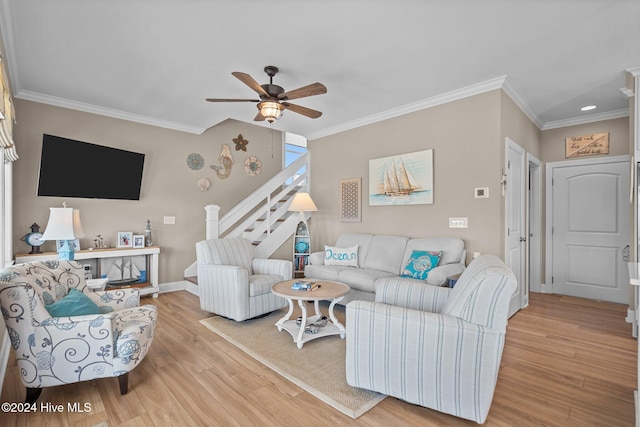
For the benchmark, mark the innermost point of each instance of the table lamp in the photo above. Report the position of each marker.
(64, 225)
(302, 203)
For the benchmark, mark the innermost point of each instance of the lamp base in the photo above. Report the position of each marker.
(66, 252)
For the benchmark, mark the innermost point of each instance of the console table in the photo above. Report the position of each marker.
(96, 259)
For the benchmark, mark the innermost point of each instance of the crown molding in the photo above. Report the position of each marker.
(616, 114)
(635, 72)
(447, 97)
(108, 112)
(519, 100)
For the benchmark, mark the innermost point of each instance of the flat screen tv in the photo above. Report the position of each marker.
(71, 168)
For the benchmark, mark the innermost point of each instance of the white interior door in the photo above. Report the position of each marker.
(515, 220)
(590, 228)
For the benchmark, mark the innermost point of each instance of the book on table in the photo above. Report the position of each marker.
(304, 285)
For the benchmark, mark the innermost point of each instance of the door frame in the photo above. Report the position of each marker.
(521, 195)
(547, 287)
(534, 225)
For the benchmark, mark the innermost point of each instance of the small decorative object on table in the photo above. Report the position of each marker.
(147, 234)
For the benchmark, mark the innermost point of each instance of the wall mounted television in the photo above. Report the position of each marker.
(70, 168)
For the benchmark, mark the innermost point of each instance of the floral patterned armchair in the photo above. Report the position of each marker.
(52, 351)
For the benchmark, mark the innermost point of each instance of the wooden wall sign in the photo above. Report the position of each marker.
(587, 145)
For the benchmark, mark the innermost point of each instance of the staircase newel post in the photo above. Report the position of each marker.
(212, 221)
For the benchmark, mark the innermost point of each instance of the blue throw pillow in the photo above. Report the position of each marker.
(420, 263)
(75, 303)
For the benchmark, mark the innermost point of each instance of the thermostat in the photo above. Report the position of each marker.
(481, 192)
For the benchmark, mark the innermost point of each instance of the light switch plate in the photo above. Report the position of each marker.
(458, 223)
(169, 219)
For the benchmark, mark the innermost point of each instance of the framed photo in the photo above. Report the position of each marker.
(125, 239)
(138, 241)
(74, 244)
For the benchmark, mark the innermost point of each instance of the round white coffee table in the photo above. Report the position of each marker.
(326, 291)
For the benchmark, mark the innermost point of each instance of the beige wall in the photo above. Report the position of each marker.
(169, 187)
(552, 142)
(465, 136)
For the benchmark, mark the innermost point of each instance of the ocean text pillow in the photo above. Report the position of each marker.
(75, 303)
(420, 263)
(341, 256)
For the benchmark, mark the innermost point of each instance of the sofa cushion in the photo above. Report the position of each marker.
(334, 255)
(451, 248)
(325, 272)
(385, 253)
(351, 239)
(420, 264)
(362, 279)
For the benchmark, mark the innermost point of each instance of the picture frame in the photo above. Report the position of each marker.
(350, 200)
(74, 244)
(138, 241)
(125, 239)
(403, 179)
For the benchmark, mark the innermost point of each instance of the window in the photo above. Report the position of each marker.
(294, 147)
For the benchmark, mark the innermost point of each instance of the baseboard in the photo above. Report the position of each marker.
(545, 289)
(5, 350)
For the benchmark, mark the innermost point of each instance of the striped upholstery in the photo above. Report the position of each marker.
(404, 345)
(233, 284)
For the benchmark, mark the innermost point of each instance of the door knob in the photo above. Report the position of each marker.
(523, 239)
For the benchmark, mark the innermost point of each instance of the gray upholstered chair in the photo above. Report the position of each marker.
(61, 349)
(233, 284)
(433, 346)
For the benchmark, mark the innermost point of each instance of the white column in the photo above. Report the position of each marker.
(212, 221)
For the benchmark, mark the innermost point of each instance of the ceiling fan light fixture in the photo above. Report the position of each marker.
(270, 110)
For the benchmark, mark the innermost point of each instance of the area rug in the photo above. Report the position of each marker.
(318, 367)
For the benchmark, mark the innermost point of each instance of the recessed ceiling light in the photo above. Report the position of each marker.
(589, 107)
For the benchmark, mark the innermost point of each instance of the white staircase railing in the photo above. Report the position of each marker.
(262, 217)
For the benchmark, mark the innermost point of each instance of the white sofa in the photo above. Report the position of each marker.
(384, 256)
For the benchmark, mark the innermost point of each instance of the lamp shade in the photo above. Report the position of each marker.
(64, 224)
(302, 202)
(270, 110)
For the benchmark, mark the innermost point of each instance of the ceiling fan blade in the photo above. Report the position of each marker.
(314, 114)
(231, 100)
(259, 117)
(309, 90)
(249, 81)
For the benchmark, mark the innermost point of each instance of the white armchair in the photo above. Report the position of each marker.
(233, 284)
(51, 351)
(433, 346)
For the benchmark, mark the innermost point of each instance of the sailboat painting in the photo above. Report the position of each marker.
(405, 179)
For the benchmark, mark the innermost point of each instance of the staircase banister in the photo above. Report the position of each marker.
(238, 211)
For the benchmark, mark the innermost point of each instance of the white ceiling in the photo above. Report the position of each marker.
(155, 61)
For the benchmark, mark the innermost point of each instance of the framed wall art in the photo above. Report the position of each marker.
(404, 179)
(351, 200)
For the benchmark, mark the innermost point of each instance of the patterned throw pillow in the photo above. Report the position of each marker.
(420, 263)
(341, 256)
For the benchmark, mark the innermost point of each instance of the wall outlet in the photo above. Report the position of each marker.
(169, 219)
(458, 223)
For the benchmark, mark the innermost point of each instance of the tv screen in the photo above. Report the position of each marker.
(71, 168)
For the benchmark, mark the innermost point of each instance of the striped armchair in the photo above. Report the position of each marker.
(235, 285)
(433, 346)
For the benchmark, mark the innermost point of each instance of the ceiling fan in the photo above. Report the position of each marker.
(273, 99)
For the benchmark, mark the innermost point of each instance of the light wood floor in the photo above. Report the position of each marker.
(567, 362)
